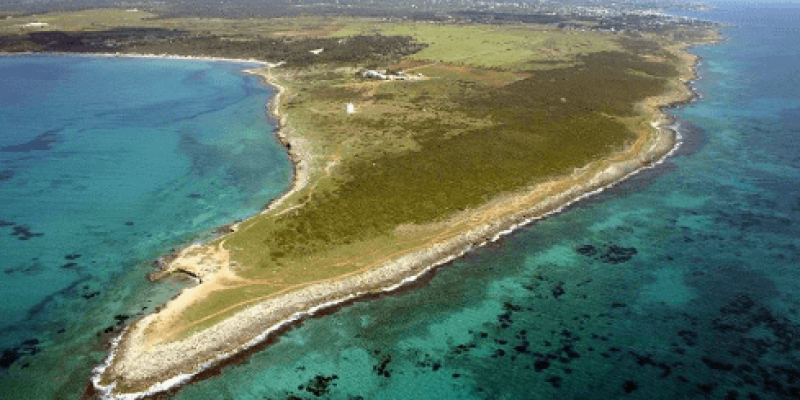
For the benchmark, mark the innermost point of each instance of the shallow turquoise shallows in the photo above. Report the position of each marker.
(106, 164)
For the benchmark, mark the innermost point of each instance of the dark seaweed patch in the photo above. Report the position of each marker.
(6, 174)
(586, 250)
(555, 381)
(706, 388)
(382, 369)
(689, 337)
(732, 395)
(614, 254)
(31, 269)
(541, 365)
(43, 141)
(558, 290)
(9, 357)
(718, 365)
(319, 385)
(23, 232)
(12, 355)
(90, 295)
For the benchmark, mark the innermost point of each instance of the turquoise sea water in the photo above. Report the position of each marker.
(681, 283)
(106, 164)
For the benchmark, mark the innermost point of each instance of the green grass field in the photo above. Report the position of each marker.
(509, 47)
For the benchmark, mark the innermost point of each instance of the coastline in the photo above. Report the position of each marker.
(394, 275)
(144, 56)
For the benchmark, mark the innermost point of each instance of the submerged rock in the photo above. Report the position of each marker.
(23, 232)
(12, 355)
(614, 254)
(320, 384)
(43, 141)
(9, 357)
(382, 368)
(89, 296)
(558, 290)
(586, 250)
(6, 174)
(629, 386)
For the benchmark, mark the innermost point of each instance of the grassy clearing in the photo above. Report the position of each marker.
(518, 47)
(486, 77)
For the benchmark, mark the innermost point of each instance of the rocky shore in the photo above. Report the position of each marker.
(137, 367)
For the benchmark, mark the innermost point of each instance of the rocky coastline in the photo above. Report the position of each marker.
(135, 370)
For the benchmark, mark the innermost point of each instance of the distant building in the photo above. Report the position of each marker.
(389, 75)
(374, 75)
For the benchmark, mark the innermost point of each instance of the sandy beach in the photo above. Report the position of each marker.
(137, 366)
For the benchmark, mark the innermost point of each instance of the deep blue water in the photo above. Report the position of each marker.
(106, 164)
(680, 283)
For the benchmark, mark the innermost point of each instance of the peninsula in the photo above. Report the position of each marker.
(412, 141)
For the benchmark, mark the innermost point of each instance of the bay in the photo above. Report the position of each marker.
(107, 164)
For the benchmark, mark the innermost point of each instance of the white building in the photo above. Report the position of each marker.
(374, 75)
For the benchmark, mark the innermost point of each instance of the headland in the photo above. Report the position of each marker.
(527, 121)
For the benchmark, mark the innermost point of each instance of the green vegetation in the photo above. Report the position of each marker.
(499, 110)
(422, 151)
(517, 47)
(105, 19)
(503, 140)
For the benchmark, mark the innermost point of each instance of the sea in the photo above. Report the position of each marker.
(680, 282)
(107, 164)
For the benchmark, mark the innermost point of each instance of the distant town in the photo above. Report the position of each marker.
(603, 15)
